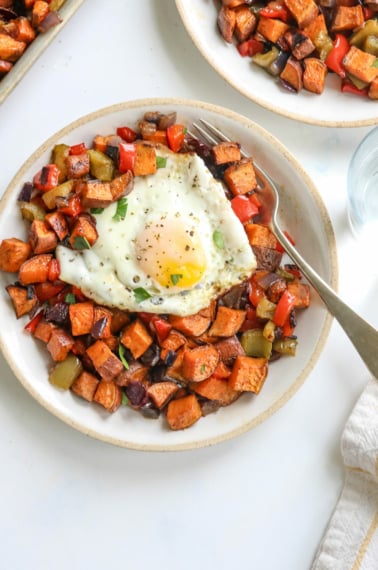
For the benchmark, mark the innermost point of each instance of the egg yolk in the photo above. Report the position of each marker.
(171, 253)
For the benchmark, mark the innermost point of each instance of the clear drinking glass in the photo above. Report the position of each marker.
(363, 187)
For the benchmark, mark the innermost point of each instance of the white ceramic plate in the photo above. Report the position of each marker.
(332, 108)
(22, 66)
(304, 215)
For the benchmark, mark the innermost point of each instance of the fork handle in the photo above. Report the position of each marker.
(363, 335)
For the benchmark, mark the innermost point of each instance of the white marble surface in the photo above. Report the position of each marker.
(260, 501)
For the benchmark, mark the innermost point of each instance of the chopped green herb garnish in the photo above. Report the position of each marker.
(203, 368)
(141, 294)
(175, 278)
(81, 242)
(97, 210)
(375, 63)
(121, 210)
(218, 239)
(70, 298)
(125, 400)
(121, 352)
(161, 162)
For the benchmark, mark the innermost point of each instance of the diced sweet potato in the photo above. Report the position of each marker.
(13, 253)
(43, 331)
(226, 21)
(39, 12)
(229, 349)
(248, 374)
(5, 67)
(35, 269)
(161, 392)
(292, 74)
(193, 325)
(136, 372)
(122, 185)
(241, 177)
(10, 49)
(316, 29)
(83, 228)
(200, 362)
(222, 371)
(96, 194)
(59, 344)
(347, 18)
(183, 412)
(361, 64)
(304, 11)
(25, 31)
(245, 23)
(215, 389)
(271, 28)
(58, 223)
(78, 165)
(23, 299)
(373, 89)
(145, 160)
(107, 364)
(172, 342)
(81, 317)
(108, 395)
(41, 237)
(314, 75)
(227, 322)
(136, 338)
(119, 320)
(226, 152)
(261, 236)
(301, 292)
(175, 370)
(85, 386)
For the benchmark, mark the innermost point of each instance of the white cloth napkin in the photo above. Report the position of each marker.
(351, 539)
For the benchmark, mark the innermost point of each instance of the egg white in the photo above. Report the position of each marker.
(182, 195)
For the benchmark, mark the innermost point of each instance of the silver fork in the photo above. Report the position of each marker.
(363, 335)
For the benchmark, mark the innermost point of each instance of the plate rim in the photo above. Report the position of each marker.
(323, 333)
(266, 105)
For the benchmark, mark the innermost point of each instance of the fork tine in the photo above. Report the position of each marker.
(205, 134)
(213, 135)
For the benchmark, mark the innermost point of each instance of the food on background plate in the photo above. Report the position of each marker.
(301, 41)
(149, 273)
(20, 23)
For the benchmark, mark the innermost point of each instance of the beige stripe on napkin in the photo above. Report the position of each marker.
(351, 539)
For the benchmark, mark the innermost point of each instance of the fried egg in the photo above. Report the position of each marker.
(178, 246)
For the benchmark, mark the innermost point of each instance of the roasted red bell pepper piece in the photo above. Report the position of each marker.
(283, 309)
(368, 13)
(47, 178)
(287, 329)
(334, 59)
(32, 325)
(256, 293)
(73, 208)
(175, 136)
(243, 208)
(77, 149)
(127, 156)
(161, 328)
(291, 240)
(250, 47)
(54, 270)
(127, 134)
(48, 290)
(278, 12)
(348, 87)
(251, 320)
